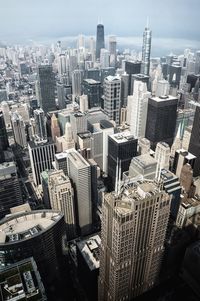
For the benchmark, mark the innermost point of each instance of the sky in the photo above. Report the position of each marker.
(22, 20)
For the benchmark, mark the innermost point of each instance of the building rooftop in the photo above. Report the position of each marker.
(190, 202)
(84, 135)
(90, 249)
(144, 160)
(21, 281)
(111, 78)
(92, 81)
(122, 137)
(77, 159)
(25, 225)
(164, 98)
(61, 156)
(7, 168)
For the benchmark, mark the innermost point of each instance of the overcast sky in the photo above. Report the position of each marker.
(32, 19)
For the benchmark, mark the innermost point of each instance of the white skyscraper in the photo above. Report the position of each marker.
(137, 109)
(112, 96)
(77, 77)
(134, 225)
(61, 196)
(104, 58)
(83, 103)
(18, 126)
(79, 171)
(162, 88)
(162, 156)
(63, 66)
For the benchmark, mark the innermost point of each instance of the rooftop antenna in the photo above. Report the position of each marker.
(147, 22)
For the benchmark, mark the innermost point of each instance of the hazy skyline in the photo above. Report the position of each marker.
(28, 19)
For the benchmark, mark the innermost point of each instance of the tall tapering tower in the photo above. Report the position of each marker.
(146, 50)
(99, 40)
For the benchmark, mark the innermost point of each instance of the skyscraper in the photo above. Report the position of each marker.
(61, 196)
(146, 50)
(112, 95)
(10, 193)
(55, 129)
(112, 50)
(122, 147)
(92, 89)
(99, 40)
(104, 58)
(40, 125)
(45, 88)
(161, 119)
(18, 126)
(133, 231)
(194, 146)
(79, 172)
(162, 156)
(77, 78)
(41, 157)
(3, 137)
(137, 109)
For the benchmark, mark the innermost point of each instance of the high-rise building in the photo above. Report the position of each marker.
(78, 124)
(132, 67)
(162, 88)
(134, 225)
(161, 120)
(40, 125)
(3, 137)
(99, 40)
(61, 93)
(146, 50)
(92, 89)
(61, 196)
(194, 146)
(122, 147)
(41, 157)
(112, 49)
(104, 58)
(79, 172)
(77, 78)
(10, 193)
(143, 165)
(61, 162)
(137, 109)
(197, 62)
(62, 65)
(124, 89)
(112, 95)
(182, 157)
(19, 131)
(83, 103)
(55, 129)
(45, 88)
(162, 156)
(38, 234)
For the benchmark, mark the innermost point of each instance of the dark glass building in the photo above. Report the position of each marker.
(99, 40)
(45, 88)
(10, 193)
(174, 75)
(132, 67)
(3, 137)
(194, 146)
(161, 120)
(38, 234)
(92, 89)
(122, 147)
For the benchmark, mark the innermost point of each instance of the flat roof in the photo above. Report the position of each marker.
(122, 137)
(144, 160)
(25, 225)
(164, 98)
(90, 248)
(77, 159)
(91, 81)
